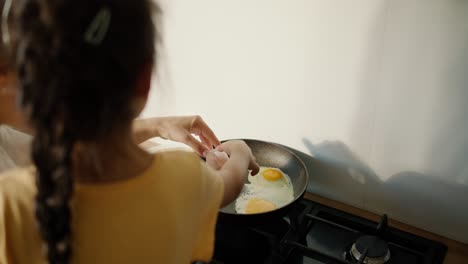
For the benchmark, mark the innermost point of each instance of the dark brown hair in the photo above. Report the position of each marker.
(75, 89)
(4, 58)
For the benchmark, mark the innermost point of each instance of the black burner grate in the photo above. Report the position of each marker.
(314, 234)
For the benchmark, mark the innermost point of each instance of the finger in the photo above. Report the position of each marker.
(202, 129)
(254, 166)
(210, 136)
(220, 148)
(206, 142)
(195, 144)
(224, 148)
(221, 157)
(212, 161)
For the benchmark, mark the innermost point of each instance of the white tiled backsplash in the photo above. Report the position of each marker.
(375, 89)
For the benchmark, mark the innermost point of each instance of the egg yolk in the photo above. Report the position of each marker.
(256, 205)
(272, 174)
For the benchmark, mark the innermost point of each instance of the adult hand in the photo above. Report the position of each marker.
(177, 128)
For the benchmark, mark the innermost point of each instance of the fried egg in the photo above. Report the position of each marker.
(268, 190)
(270, 177)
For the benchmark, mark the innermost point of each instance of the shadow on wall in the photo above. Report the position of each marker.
(448, 152)
(417, 199)
(412, 105)
(411, 117)
(337, 173)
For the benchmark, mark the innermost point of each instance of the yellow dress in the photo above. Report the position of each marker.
(165, 215)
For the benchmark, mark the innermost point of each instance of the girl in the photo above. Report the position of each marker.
(14, 143)
(84, 72)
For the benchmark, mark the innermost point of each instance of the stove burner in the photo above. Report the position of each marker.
(315, 233)
(375, 250)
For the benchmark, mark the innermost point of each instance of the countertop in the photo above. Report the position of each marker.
(457, 252)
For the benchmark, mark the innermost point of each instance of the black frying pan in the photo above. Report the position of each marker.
(271, 155)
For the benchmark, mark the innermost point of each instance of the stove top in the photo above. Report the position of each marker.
(312, 233)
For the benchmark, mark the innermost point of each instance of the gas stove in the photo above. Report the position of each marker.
(313, 233)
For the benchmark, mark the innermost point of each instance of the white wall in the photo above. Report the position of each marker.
(375, 89)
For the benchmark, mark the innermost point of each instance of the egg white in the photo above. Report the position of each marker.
(278, 192)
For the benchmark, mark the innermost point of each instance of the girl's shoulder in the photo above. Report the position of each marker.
(18, 180)
(179, 164)
(187, 167)
(17, 186)
(17, 221)
(170, 156)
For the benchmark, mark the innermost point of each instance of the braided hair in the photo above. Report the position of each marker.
(75, 90)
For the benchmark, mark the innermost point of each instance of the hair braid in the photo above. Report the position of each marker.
(75, 92)
(51, 154)
(52, 144)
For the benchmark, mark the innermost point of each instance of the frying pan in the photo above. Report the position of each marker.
(269, 154)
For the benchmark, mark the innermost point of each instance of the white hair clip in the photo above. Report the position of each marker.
(98, 28)
(5, 30)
